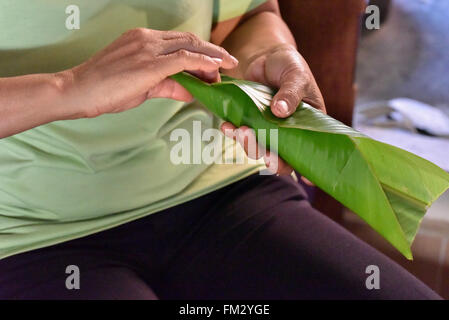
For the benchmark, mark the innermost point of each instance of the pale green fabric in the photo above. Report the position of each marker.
(68, 179)
(228, 9)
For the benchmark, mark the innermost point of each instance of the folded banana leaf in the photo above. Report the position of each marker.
(391, 189)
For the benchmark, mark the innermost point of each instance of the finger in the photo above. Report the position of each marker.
(183, 60)
(284, 168)
(276, 165)
(170, 89)
(246, 137)
(211, 77)
(315, 98)
(190, 42)
(292, 90)
(228, 129)
(307, 182)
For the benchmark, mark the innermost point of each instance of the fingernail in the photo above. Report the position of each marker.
(282, 107)
(267, 163)
(217, 60)
(234, 59)
(228, 132)
(267, 159)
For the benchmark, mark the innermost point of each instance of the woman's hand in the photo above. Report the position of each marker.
(132, 69)
(284, 68)
(136, 67)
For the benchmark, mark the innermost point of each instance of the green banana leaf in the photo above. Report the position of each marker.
(389, 188)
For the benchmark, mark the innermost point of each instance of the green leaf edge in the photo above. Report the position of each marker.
(187, 80)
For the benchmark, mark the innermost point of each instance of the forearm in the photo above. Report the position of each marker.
(254, 36)
(31, 100)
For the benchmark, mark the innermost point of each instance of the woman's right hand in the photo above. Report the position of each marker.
(136, 67)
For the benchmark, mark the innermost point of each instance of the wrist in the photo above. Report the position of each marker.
(65, 107)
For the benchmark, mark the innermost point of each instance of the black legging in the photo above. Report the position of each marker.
(256, 239)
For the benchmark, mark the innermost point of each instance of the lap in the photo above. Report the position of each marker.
(263, 240)
(256, 239)
(66, 273)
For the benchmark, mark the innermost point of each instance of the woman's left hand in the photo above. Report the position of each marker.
(284, 68)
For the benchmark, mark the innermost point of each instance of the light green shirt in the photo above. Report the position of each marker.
(68, 179)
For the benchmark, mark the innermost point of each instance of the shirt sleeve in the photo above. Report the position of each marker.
(228, 9)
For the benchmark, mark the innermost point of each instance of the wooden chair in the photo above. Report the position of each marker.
(327, 34)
